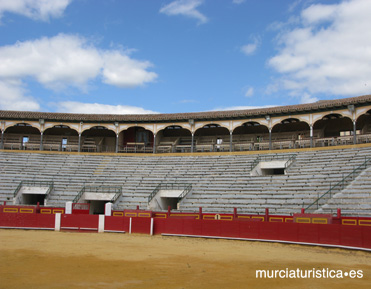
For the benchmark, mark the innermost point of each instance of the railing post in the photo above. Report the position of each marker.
(2, 140)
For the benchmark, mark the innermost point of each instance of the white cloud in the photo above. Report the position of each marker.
(249, 92)
(241, 107)
(250, 48)
(329, 53)
(97, 108)
(12, 97)
(186, 8)
(122, 71)
(69, 61)
(34, 9)
(306, 98)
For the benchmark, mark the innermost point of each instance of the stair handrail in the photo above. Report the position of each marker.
(35, 183)
(361, 167)
(162, 186)
(260, 158)
(104, 189)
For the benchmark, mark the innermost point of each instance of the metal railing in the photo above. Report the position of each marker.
(171, 186)
(339, 185)
(99, 189)
(34, 183)
(265, 158)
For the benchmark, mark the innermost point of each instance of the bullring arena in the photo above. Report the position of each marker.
(195, 200)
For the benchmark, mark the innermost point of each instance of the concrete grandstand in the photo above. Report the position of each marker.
(313, 156)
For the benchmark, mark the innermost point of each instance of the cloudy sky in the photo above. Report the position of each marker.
(166, 56)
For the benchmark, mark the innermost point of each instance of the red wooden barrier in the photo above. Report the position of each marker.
(79, 222)
(20, 220)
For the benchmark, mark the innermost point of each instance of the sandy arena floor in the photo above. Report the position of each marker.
(41, 259)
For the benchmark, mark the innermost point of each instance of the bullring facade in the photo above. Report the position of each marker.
(324, 123)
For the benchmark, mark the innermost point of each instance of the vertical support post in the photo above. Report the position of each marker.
(154, 143)
(168, 211)
(234, 213)
(354, 132)
(41, 141)
(151, 230)
(302, 211)
(117, 143)
(57, 223)
(108, 209)
(270, 139)
(101, 223)
(200, 213)
(79, 145)
(231, 141)
(266, 214)
(68, 208)
(2, 140)
(130, 223)
(311, 135)
(339, 213)
(192, 146)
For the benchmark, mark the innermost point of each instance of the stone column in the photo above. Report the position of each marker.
(192, 146)
(41, 141)
(79, 145)
(354, 132)
(154, 143)
(270, 139)
(311, 135)
(117, 143)
(2, 140)
(231, 141)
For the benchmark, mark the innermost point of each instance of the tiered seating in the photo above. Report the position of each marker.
(220, 182)
(354, 200)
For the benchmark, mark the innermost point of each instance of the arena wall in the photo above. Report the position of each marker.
(352, 233)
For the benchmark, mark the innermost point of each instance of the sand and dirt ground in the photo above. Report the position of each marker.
(44, 259)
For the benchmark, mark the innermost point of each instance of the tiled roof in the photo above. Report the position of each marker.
(208, 115)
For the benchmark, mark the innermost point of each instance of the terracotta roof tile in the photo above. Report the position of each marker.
(208, 115)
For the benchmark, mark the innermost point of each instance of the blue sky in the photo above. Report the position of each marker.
(164, 56)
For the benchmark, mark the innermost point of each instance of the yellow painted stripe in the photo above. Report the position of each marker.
(55, 211)
(45, 211)
(364, 222)
(260, 218)
(10, 210)
(275, 219)
(24, 210)
(351, 222)
(303, 220)
(319, 221)
(118, 214)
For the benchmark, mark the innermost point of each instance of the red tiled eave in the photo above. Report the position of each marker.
(208, 115)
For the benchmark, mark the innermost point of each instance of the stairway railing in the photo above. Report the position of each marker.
(339, 185)
(171, 186)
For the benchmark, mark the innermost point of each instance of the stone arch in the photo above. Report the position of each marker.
(292, 125)
(332, 125)
(22, 136)
(98, 139)
(136, 139)
(290, 133)
(60, 138)
(248, 134)
(169, 137)
(212, 137)
(363, 123)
